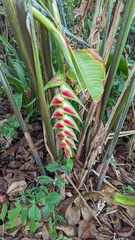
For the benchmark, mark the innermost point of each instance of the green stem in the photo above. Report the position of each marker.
(125, 26)
(42, 101)
(20, 119)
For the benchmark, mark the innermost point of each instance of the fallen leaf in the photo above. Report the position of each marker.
(45, 232)
(73, 213)
(3, 185)
(17, 187)
(125, 232)
(2, 198)
(105, 221)
(85, 213)
(25, 238)
(70, 231)
(85, 231)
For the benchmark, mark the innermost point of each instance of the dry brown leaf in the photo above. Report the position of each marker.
(2, 198)
(86, 214)
(3, 185)
(45, 232)
(73, 213)
(125, 232)
(25, 238)
(107, 188)
(85, 231)
(105, 221)
(80, 11)
(17, 187)
(69, 231)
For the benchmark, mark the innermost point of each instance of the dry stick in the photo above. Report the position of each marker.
(105, 181)
(126, 219)
(113, 29)
(86, 204)
(94, 27)
(89, 120)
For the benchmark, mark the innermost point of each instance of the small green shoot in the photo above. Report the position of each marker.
(36, 202)
(127, 189)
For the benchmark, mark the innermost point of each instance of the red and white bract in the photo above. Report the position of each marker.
(58, 113)
(63, 143)
(66, 92)
(70, 133)
(70, 142)
(61, 134)
(69, 121)
(59, 124)
(57, 100)
(69, 109)
(68, 151)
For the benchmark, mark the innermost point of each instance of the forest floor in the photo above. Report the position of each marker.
(18, 171)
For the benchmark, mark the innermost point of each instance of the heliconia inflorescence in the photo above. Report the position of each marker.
(64, 114)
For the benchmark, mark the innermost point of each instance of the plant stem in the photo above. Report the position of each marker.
(42, 101)
(125, 26)
(20, 119)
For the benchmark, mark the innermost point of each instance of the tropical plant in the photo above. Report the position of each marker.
(70, 85)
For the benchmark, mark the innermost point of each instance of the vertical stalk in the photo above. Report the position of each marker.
(125, 26)
(42, 101)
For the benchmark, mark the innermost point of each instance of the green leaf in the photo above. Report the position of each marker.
(123, 66)
(90, 70)
(34, 213)
(10, 224)
(49, 208)
(18, 100)
(40, 196)
(33, 225)
(65, 168)
(69, 163)
(52, 167)
(53, 197)
(124, 198)
(56, 81)
(24, 213)
(11, 132)
(60, 182)
(14, 213)
(4, 211)
(44, 179)
(60, 218)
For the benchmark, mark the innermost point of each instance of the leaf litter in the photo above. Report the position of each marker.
(19, 170)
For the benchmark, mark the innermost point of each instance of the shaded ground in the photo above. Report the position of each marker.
(18, 172)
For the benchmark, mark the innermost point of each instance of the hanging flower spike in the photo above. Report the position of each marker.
(70, 133)
(68, 108)
(57, 100)
(69, 121)
(67, 92)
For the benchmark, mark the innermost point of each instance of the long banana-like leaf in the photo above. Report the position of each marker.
(90, 69)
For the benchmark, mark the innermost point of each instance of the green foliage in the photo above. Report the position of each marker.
(127, 189)
(36, 202)
(9, 126)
